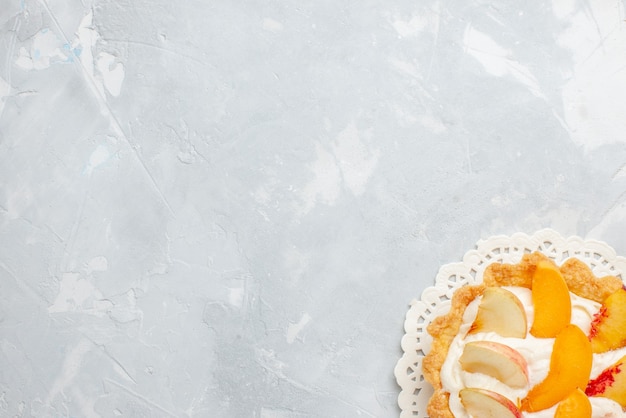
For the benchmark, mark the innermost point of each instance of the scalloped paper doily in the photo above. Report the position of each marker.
(435, 300)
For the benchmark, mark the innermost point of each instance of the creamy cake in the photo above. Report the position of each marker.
(532, 340)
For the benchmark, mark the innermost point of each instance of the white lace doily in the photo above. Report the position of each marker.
(435, 300)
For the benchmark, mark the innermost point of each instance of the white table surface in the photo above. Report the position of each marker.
(223, 208)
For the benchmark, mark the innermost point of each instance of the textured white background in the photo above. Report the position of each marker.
(223, 208)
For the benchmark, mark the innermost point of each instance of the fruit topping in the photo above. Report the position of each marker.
(551, 300)
(486, 403)
(611, 383)
(570, 367)
(576, 405)
(502, 312)
(608, 328)
(496, 360)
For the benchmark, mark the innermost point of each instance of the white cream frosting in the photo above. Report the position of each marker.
(537, 352)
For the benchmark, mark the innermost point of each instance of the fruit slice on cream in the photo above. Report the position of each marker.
(608, 328)
(485, 403)
(611, 383)
(570, 367)
(500, 311)
(576, 405)
(551, 301)
(496, 360)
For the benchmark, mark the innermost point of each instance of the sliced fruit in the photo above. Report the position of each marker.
(496, 360)
(570, 367)
(608, 328)
(502, 312)
(551, 301)
(486, 403)
(576, 405)
(611, 383)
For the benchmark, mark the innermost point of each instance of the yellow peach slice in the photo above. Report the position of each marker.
(551, 301)
(611, 383)
(608, 328)
(576, 405)
(570, 366)
(502, 312)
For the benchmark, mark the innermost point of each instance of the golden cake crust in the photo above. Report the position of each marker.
(579, 278)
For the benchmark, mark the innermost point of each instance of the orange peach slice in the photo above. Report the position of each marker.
(496, 360)
(551, 301)
(576, 405)
(608, 328)
(611, 383)
(570, 367)
(502, 312)
(486, 403)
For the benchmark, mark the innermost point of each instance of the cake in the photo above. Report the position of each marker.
(533, 339)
